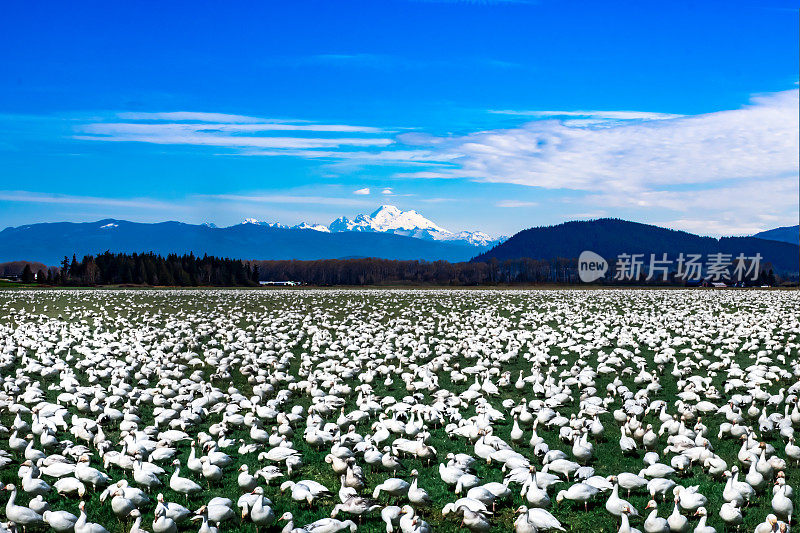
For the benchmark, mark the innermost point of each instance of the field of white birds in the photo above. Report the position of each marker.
(398, 410)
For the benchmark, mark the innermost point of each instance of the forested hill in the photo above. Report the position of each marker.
(611, 237)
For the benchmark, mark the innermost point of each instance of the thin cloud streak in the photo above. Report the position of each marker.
(285, 199)
(607, 115)
(46, 198)
(515, 203)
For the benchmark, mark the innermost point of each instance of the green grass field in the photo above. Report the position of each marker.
(422, 327)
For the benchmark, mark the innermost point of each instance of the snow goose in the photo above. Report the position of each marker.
(689, 498)
(579, 492)
(39, 505)
(324, 525)
(60, 521)
(34, 485)
(541, 519)
(731, 514)
(355, 505)
(630, 482)
(781, 504)
(19, 514)
(178, 513)
(137, 522)
(393, 486)
(654, 523)
(417, 494)
(246, 481)
(702, 527)
(211, 472)
(615, 504)
(391, 517)
(90, 475)
(625, 525)
(202, 516)
(83, 526)
(474, 521)
(163, 523)
(70, 485)
(182, 485)
(146, 478)
(534, 495)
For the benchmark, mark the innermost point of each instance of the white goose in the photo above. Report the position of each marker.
(18, 514)
(82, 526)
(182, 485)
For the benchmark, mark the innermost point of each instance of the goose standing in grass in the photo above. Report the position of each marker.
(90, 475)
(182, 485)
(201, 515)
(393, 486)
(416, 494)
(654, 523)
(246, 481)
(615, 504)
(18, 514)
(731, 514)
(60, 521)
(83, 526)
(540, 519)
(781, 504)
(324, 525)
(163, 523)
(702, 527)
(625, 525)
(579, 492)
(136, 527)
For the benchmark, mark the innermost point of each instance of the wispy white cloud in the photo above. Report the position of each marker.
(605, 115)
(515, 203)
(726, 171)
(185, 202)
(387, 191)
(284, 199)
(47, 198)
(236, 132)
(192, 116)
(758, 140)
(365, 191)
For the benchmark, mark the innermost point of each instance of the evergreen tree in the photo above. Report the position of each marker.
(27, 274)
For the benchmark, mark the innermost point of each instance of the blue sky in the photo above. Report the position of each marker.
(481, 115)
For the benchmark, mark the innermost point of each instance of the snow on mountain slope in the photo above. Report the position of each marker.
(315, 227)
(302, 225)
(390, 219)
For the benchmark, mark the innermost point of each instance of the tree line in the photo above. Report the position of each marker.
(148, 269)
(372, 271)
(190, 270)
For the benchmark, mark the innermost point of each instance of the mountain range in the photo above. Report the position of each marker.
(387, 233)
(610, 237)
(50, 242)
(390, 219)
(784, 234)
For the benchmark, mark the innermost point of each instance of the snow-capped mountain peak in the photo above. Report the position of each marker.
(391, 219)
(262, 223)
(315, 227)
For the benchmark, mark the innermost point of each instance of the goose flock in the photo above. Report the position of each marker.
(319, 411)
